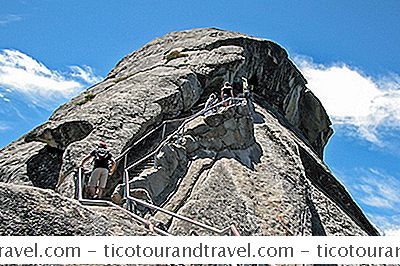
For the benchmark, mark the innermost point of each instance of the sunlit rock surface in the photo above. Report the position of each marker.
(261, 170)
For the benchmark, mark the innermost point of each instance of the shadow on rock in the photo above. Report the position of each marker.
(44, 168)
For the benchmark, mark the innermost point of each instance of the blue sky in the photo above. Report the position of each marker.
(349, 51)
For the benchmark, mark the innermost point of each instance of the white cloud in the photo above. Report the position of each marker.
(376, 202)
(6, 19)
(392, 232)
(86, 74)
(20, 72)
(378, 189)
(354, 100)
(378, 193)
(4, 127)
(388, 225)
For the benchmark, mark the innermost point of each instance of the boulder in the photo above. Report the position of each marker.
(28, 211)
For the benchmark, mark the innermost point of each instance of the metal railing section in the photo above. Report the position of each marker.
(107, 203)
(180, 128)
(162, 126)
(232, 228)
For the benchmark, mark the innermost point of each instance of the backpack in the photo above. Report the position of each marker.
(101, 154)
(101, 158)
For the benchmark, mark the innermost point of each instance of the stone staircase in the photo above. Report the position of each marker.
(145, 165)
(148, 162)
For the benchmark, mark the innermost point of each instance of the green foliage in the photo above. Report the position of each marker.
(88, 97)
(174, 55)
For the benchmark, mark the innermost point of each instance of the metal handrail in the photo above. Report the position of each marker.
(163, 124)
(80, 185)
(231, 228)
(142, 220)
(189, 119)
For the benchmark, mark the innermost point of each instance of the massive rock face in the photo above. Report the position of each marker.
(263, 171)
(227, 132)
(33, 211)
(286, 190)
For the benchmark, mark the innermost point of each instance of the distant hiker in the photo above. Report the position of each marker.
(212, 100)
(246, 89)
(101, 170)
(247, 94)
(226, 92)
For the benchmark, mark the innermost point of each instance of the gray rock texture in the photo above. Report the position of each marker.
(263, 171)
(33, 211)
(287, 190)
(231, 132)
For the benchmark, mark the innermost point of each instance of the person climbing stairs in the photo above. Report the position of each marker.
(138, 201)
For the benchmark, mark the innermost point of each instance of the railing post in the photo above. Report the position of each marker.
(126, 191)
(80, 183)
(125, 160)
(163, 131)
(124, 173)
(234, 230)
(155, 160)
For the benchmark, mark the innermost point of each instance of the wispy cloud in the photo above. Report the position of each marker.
(388, 225)
(392, 232)
(376, 202)
(366, 106)
(4, 127)
(377, 189)
(9, 18)
(4, 98)
(85, 73)
(22, 73)
(378, 193)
